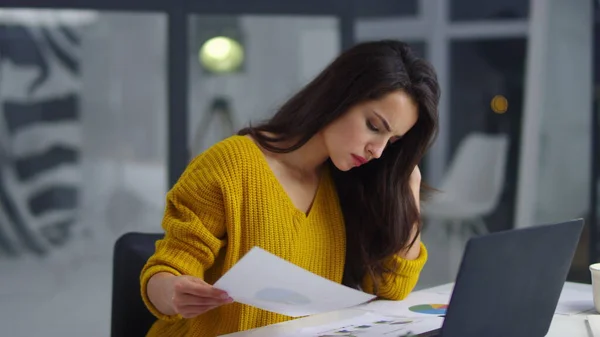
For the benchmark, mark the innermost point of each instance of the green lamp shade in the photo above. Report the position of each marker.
(221, 55)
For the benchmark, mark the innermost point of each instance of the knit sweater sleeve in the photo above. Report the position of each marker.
(402, 279)
(194, 228)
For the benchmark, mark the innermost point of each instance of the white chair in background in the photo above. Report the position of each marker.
(473, 184)
(470, 190)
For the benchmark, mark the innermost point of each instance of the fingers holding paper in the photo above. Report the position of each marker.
(192, 296)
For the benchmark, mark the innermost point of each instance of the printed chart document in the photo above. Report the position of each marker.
(268, 282)
(420, 304)
(575, 299)
(372, 324)
(366, 324)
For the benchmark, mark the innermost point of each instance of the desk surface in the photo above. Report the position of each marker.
(562, 325)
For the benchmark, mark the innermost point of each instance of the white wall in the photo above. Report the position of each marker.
(124, 120)
(555, 158)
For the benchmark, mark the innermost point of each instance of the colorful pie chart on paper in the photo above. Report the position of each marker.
(429, 309)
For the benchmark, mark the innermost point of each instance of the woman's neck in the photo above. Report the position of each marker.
(307, 160)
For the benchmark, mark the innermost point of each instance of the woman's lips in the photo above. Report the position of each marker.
(358, 160)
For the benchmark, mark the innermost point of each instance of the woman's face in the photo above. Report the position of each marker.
(366, 129)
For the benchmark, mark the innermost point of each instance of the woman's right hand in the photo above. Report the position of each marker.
(191, 296)
(185, 295)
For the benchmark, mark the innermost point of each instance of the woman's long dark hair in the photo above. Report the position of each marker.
(376, 199)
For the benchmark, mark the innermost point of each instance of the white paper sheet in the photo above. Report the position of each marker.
(594, 324)
(416, 305)
(371, 325)
(268, 282)
(574, 301)
(361, 323)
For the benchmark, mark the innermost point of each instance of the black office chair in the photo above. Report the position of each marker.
(130, 317)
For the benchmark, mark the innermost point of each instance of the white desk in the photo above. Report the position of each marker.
(561, 326)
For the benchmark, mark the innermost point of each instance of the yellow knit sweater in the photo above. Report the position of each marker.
(226, 202)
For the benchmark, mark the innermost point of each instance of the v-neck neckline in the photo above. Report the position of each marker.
(273, 178)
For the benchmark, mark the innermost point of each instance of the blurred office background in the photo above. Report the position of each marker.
(101, 107)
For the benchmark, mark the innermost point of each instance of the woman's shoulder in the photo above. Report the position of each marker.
(227, 157)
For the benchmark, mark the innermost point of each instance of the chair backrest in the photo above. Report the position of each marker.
(477, 170)
(129, 316)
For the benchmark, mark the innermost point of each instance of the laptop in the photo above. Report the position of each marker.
(509, 282)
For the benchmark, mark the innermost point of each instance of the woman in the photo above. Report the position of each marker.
(330, 183)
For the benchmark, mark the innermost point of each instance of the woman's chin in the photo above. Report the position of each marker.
(344, 167)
